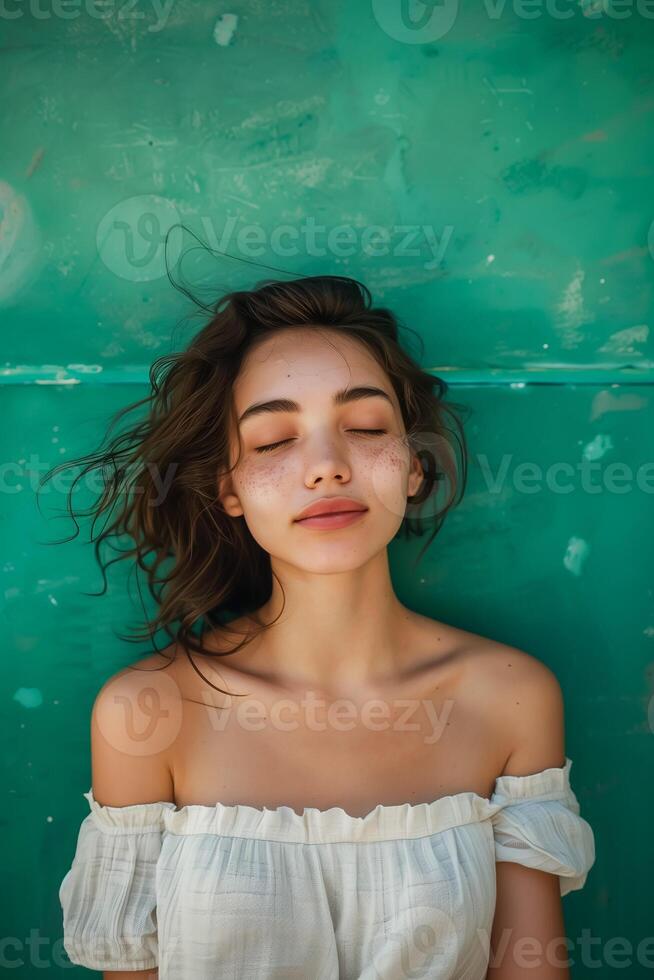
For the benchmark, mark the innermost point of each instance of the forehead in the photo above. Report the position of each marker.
(303, 362)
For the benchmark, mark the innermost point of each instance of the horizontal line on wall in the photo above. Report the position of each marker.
(541, 374)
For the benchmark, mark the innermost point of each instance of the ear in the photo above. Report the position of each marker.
(227, 496)
(416, 475)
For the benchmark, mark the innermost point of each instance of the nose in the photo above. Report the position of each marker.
(328, 462)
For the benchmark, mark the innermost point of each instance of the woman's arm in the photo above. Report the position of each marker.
(126, 768)
(528, 936)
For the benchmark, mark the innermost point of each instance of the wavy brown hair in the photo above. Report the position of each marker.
(200, 564)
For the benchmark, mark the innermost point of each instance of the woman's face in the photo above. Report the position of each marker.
(327, 447)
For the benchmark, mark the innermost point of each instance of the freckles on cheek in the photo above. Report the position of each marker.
(388, 472)
(391, 459)
(262, 480)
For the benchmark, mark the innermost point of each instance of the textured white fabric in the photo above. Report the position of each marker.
(241, 893)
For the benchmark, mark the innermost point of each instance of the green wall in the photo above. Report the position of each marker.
(506, 149)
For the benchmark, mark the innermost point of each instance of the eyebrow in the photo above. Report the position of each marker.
(342, 397)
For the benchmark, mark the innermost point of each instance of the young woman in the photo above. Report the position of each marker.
(325, 785)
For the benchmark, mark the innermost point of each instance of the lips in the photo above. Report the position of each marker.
(331, 505)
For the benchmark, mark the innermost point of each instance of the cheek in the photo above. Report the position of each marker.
(389, 469)
(390, 457)
(261, 481)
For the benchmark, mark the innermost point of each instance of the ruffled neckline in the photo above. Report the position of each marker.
(334, 824)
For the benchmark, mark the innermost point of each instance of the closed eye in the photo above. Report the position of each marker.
(274, 445)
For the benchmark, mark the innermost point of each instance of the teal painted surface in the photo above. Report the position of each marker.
(513, 156)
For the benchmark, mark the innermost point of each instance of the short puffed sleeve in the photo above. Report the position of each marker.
(108, 896)
(538, 824)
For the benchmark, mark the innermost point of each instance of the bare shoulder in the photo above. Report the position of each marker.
(138, 676)
(517, 696)
(509, 671)
(135, 720)
(492, 661)
(523, 698)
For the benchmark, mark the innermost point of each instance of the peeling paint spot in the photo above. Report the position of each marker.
(85, 368)
(310, 173)
(576, 555)
(283, 109)
(224, 30)
(35, 162)
(622, 342)
(29, 697)
(637, 252)
(47, 583)
(571, 313)
(20, 242)
(63, 381)
(58, 374)
(604, 402)
(394, 172)
(597, 447)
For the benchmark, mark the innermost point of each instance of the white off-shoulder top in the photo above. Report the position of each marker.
(243, 893)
